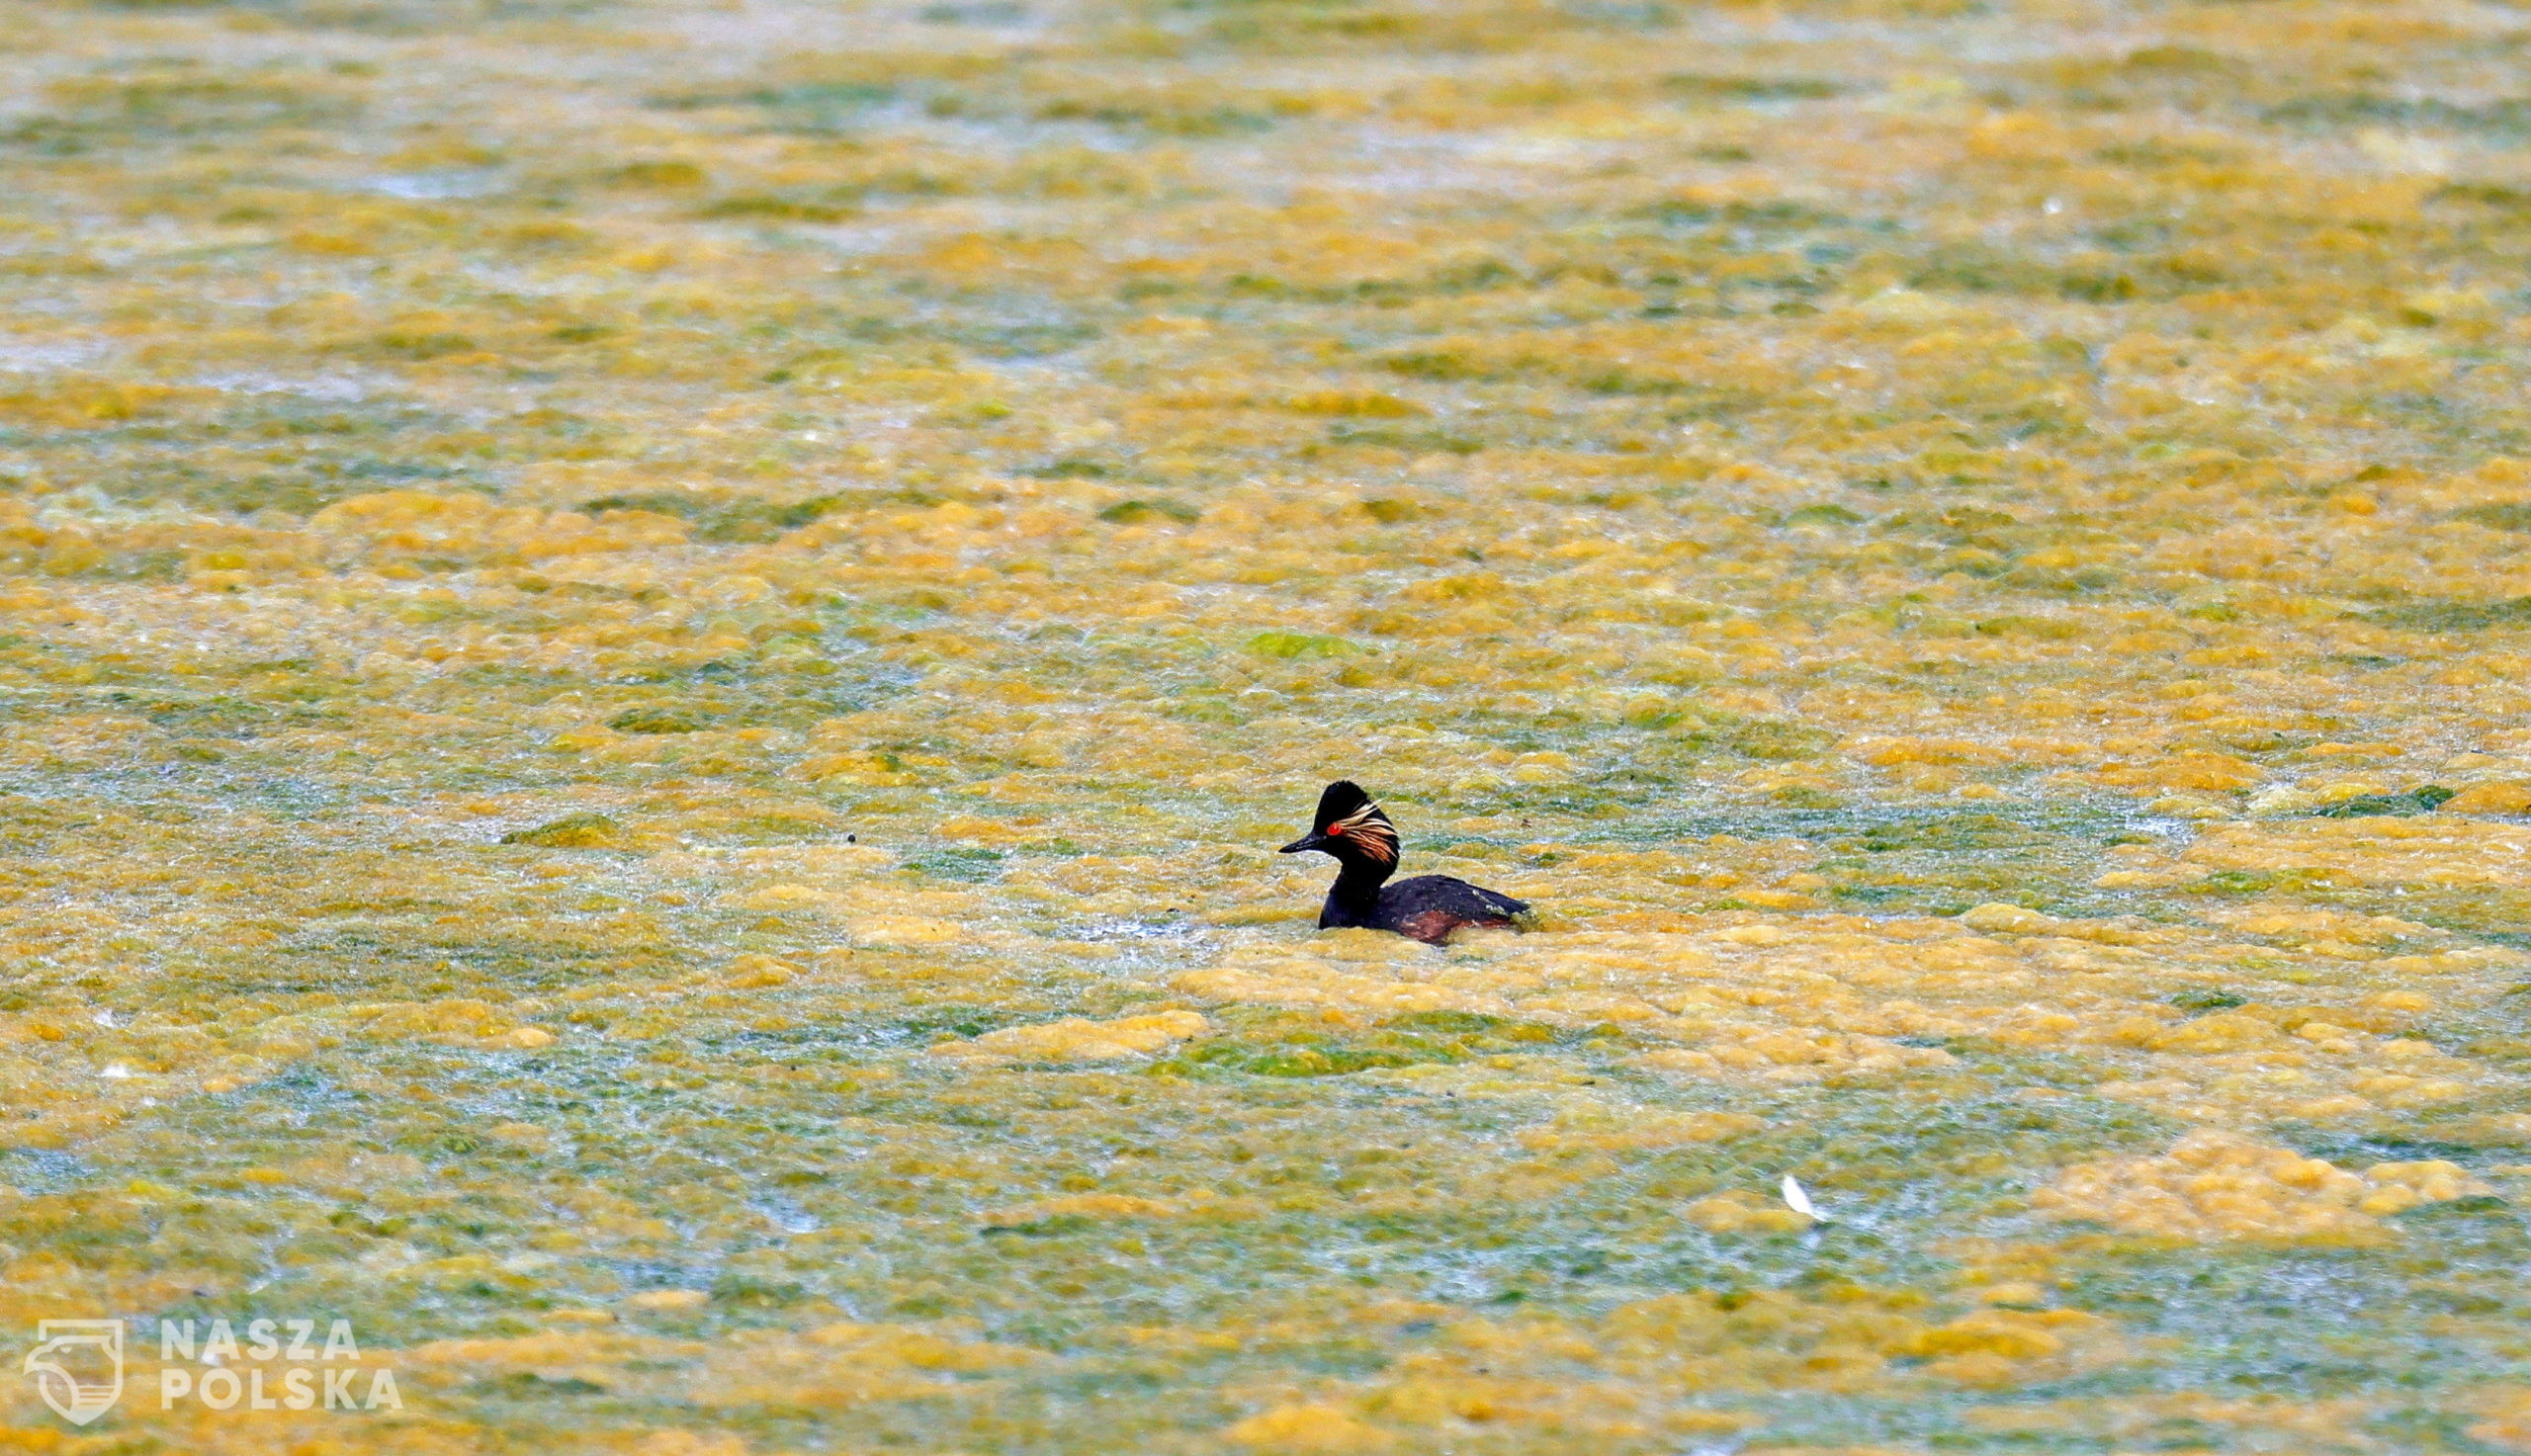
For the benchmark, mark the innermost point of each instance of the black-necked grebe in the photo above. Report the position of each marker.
(1428, 907)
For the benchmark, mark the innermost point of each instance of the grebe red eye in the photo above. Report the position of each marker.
(1335, 830)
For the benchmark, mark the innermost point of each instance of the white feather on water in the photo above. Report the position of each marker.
(1799, 1201)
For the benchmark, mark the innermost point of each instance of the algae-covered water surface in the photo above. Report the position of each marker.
(653, 652)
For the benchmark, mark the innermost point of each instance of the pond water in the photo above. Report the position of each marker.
(654, 653)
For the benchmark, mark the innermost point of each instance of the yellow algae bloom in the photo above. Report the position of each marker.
(1740, 1212)
(1313, 1429)
(2213, 1185)
(1075, 1039)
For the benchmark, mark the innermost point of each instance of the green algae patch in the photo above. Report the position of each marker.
(571, 832)
(1288, 646)
(1287, 1046)
(657, 721)
(1136, 512)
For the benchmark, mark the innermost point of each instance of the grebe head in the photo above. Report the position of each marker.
(1349, 826)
